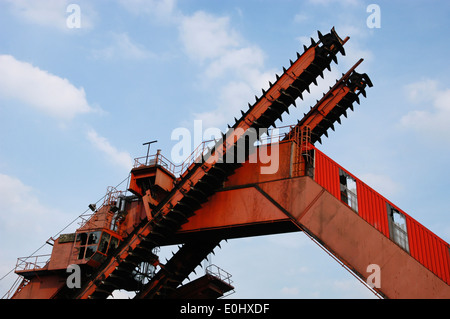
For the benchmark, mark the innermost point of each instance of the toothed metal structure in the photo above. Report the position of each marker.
(213, 196)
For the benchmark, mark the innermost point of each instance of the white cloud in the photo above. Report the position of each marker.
(383, 184)
(433, 116)
(301, 17)
(206, 36)
(162, 10)
(232, 98)
(422, 91)
(239, 66)
(122, 47)
(21, 208)
(43, 12)
(24, 219)
(120, 158)
(25, 224)
(239, 60)
(50, 13)
(40, 89)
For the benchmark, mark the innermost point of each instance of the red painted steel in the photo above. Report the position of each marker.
(424, 246)
(254, 200)
(168, 202)
(326, 173)
(372, 208)
(428, 249)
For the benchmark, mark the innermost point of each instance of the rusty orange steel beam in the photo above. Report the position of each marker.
(349, 236)
(190, 189)
(277, 99)
(328, 101)
(333, 104)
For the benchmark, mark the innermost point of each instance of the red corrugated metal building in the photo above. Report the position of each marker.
(422, 244)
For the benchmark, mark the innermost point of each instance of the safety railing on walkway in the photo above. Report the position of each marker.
(35, 261)
(221, 274)
(273, 135)
(218, 272)
(32, 262)
(156, 159)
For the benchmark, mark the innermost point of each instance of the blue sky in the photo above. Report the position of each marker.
(76, 104)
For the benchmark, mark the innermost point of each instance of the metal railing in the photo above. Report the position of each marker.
(99, 217)
(39, 261)
(112, 195)
(176, 170)
(222, 275)
(219, 273)
(156, 159)
(198, 155)
(32, 262)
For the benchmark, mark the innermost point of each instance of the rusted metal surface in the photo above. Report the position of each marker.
(424, 246)
(207, 199)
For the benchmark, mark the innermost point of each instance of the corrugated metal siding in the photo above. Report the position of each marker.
(427, 248)
(372, 207)
(326, 173)
(424, 246)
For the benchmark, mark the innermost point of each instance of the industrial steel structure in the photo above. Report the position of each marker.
(227, 189)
